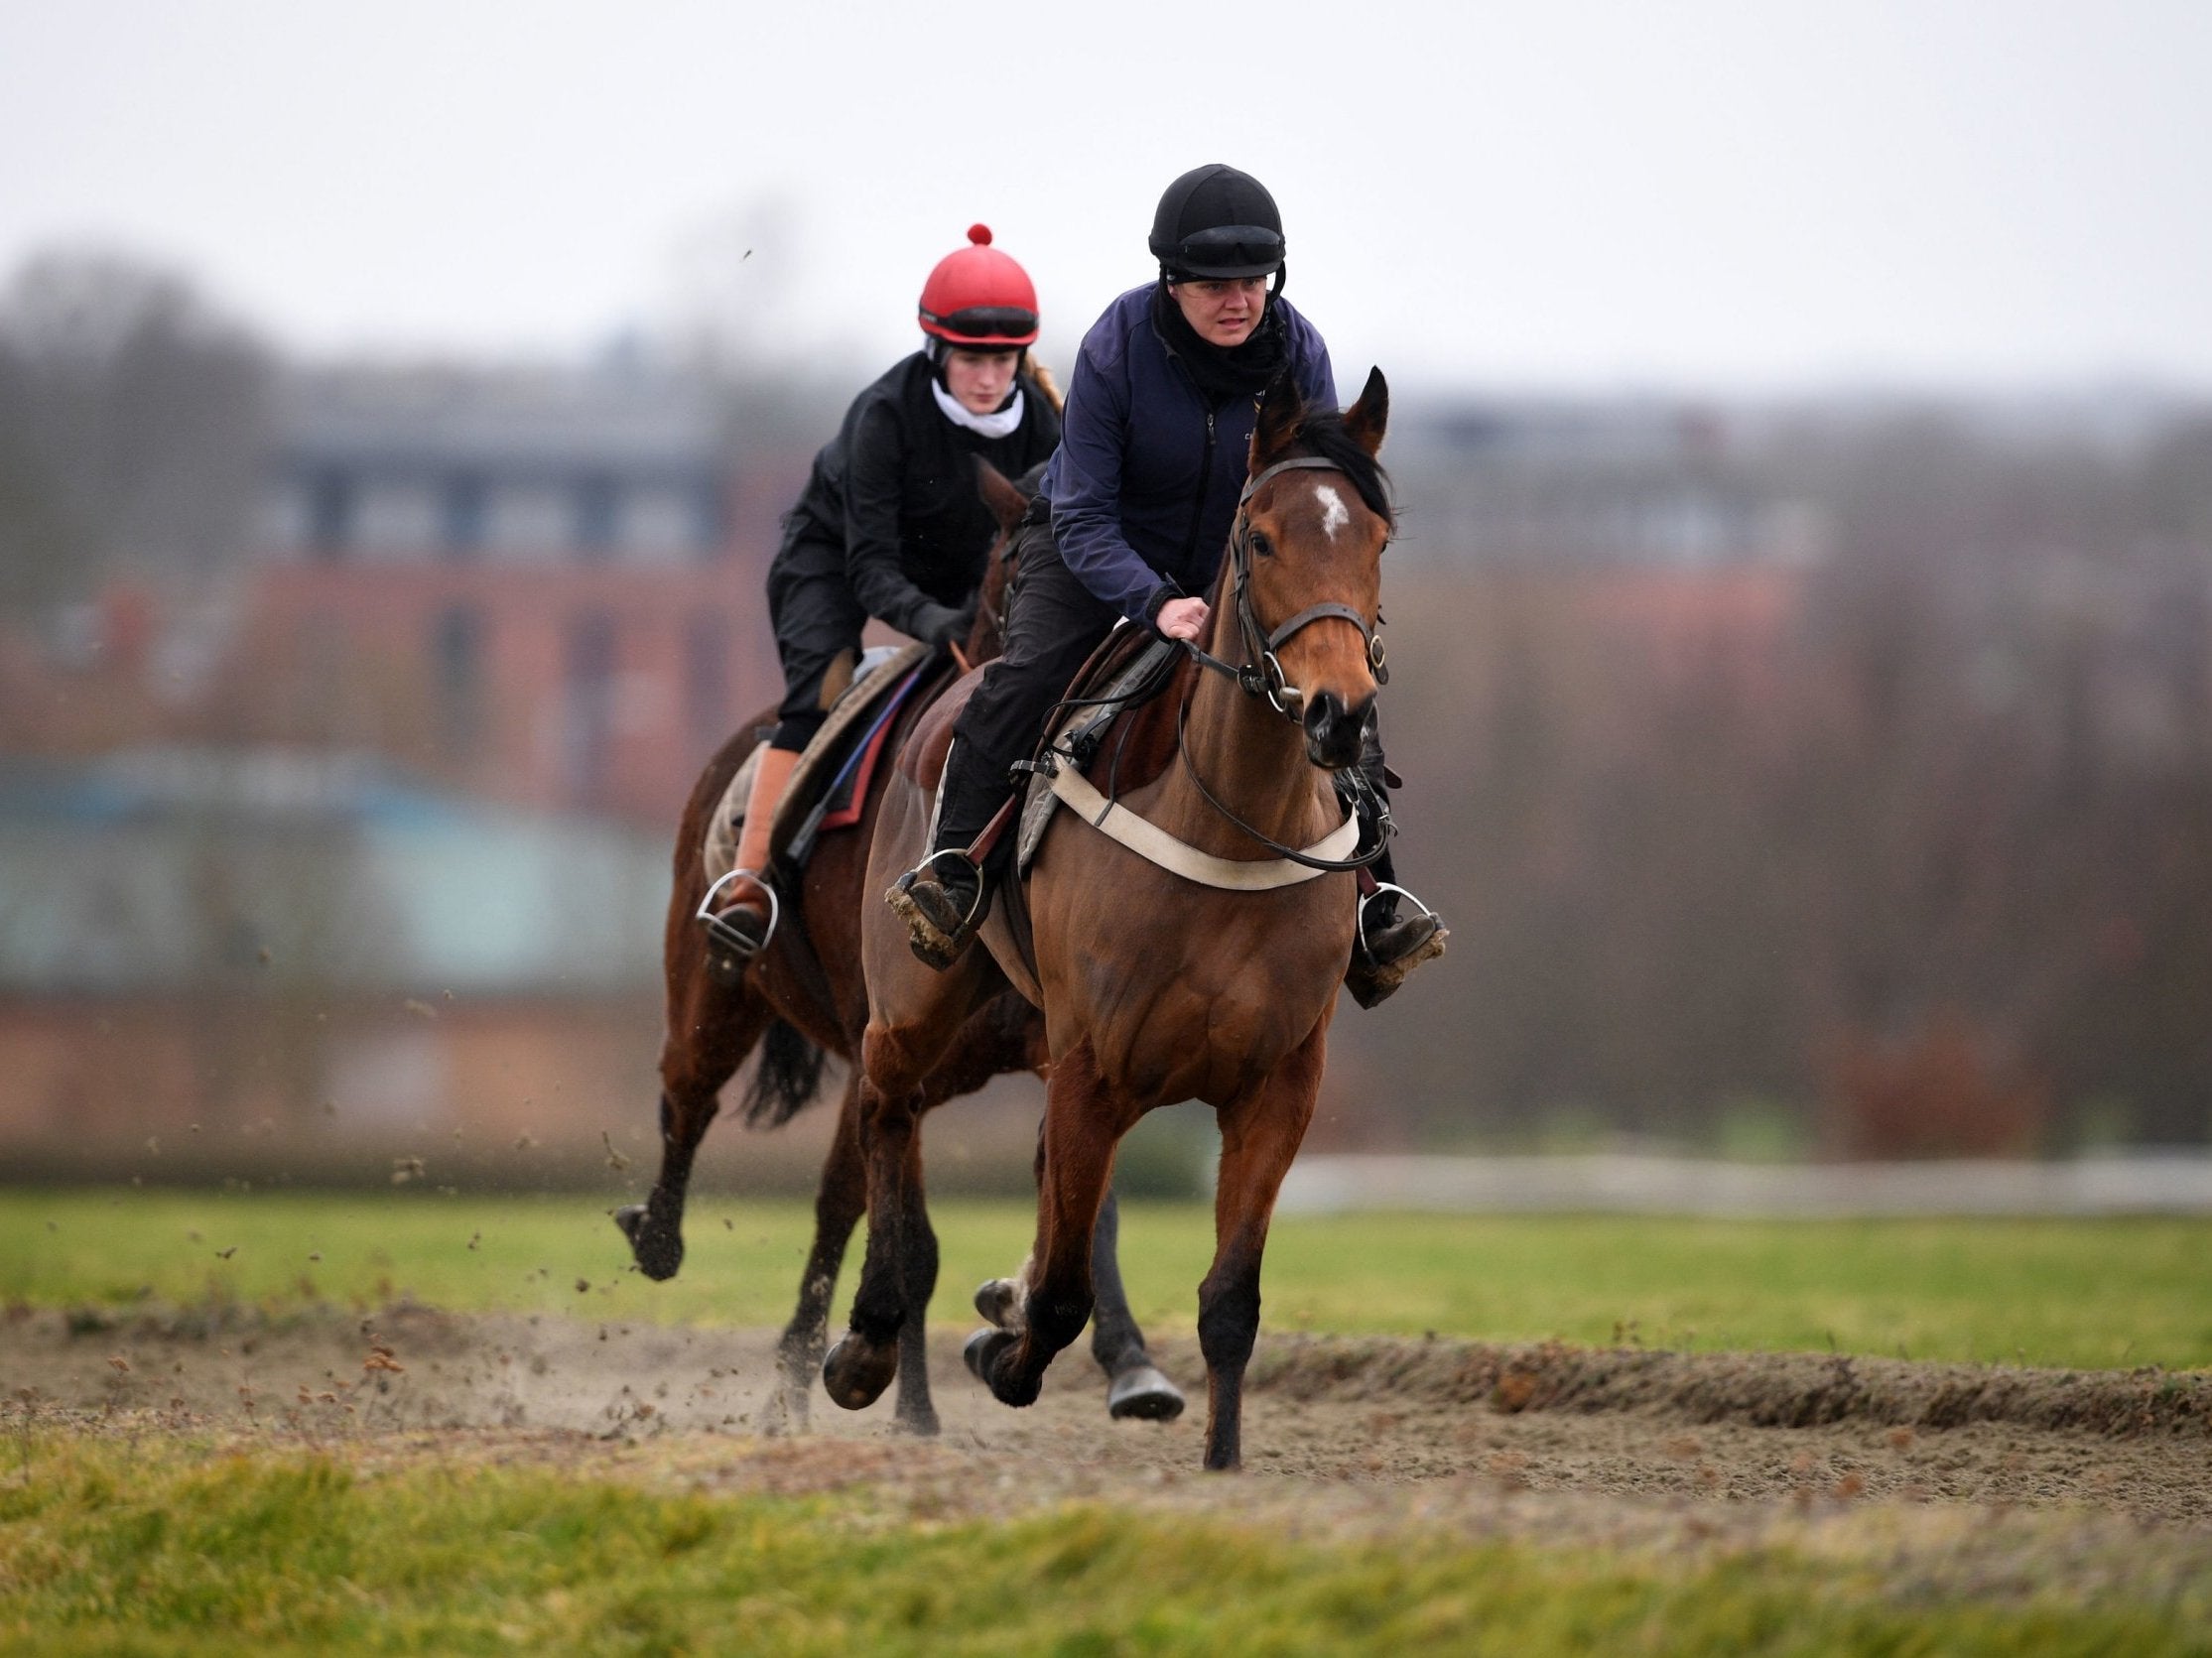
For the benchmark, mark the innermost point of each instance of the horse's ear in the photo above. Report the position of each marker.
(1365, 418)
(1281, 410)
(1006, 503)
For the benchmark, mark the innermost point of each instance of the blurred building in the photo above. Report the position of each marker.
(312, 947)
(540, 587)
(1563, 484)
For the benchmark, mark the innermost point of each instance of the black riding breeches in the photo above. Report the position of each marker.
(817, 625)
(1053, 624)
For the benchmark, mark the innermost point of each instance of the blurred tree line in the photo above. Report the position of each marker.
(1911, 849)
(133, 424)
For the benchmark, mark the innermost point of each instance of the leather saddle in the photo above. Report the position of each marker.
(829, 785)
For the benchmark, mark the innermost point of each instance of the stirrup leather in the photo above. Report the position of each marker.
(741, 944)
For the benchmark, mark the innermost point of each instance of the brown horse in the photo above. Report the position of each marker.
(1157, 989)
(796, 1015)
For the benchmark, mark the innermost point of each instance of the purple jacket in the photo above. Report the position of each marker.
(1144, 485)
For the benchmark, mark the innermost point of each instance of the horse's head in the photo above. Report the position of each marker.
(1008, 500)
(1305, 565)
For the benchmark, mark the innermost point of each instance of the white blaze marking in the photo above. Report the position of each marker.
(1333, 519)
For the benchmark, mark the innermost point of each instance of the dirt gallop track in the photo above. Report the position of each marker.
(1929, 1464)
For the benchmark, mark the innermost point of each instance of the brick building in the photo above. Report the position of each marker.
(541, 587)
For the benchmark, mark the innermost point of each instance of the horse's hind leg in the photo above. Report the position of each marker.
(1082, 1128)
(1260, 1133)
(710, 1031)
(1135, 1389)
(918, 1279)
(837, 1208)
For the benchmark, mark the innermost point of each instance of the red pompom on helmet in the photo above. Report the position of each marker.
(980, 298)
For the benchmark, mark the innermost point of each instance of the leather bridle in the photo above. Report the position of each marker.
(1265, 675)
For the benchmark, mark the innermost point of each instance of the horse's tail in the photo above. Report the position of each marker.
(788, 1077)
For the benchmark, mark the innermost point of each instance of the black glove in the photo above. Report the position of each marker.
(941, 624)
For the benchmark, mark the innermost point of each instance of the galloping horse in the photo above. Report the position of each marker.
(1159, 987)
(795, 1016)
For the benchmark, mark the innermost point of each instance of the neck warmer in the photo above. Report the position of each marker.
(998, 424)
(1220, 373)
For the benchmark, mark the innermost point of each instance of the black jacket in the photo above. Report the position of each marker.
(894, 495)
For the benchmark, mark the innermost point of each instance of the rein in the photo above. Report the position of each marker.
(1265, 676)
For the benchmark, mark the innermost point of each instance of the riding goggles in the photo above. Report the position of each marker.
(1227, 250)
(1007, 324)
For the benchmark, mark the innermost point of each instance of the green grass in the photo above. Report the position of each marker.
(170, 1548)
(2078, 1294)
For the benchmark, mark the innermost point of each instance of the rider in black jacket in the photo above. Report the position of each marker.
(892, 525)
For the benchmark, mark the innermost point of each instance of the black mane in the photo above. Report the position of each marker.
(1322, 432)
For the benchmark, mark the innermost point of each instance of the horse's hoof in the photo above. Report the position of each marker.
(657, 1247)
(983, 1350)
(1141, 1394)
(999, 1300)
(922, 1425)
(985, 1355)
(856, 1374)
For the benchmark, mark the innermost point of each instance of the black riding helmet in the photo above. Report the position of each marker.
(1217, 223)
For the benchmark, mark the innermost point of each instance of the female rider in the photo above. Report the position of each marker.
(890, 524)
(1131, 522)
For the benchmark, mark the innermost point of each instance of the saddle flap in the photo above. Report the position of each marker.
(817, 765)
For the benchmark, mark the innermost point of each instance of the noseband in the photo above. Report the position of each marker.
(1265, 675)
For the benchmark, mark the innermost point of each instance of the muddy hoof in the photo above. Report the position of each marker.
(854, 1373)
(1141, 1394)
(657, 1246)
(999, 1300)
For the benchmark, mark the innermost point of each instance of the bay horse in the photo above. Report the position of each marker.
(1156, 988)
(796, 1014)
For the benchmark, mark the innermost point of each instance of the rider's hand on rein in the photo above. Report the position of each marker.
(1183, 618)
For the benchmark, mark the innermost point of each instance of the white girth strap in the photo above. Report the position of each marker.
(1155, 845)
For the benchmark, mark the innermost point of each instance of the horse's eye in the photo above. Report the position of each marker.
(1261, 546)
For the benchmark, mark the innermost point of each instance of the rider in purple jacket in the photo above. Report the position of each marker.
(1131, 522)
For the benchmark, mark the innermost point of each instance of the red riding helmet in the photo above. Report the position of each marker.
(980, 298)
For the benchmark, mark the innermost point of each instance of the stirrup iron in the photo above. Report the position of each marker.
(926, 935)
(742, 945)
(1382, 887)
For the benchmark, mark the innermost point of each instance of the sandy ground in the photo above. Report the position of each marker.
(1995, 1481)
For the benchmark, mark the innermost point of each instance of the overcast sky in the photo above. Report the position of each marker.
(1759, 195)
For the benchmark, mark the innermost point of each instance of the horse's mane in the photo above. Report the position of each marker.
(1321, 430)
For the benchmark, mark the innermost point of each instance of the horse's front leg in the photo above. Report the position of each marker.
(1082, 1129)
(1260, 1133)
(711, 1030)
(861, 1366)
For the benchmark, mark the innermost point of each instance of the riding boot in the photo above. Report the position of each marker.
(943, 898)
(1386, 946)
(740, 911)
